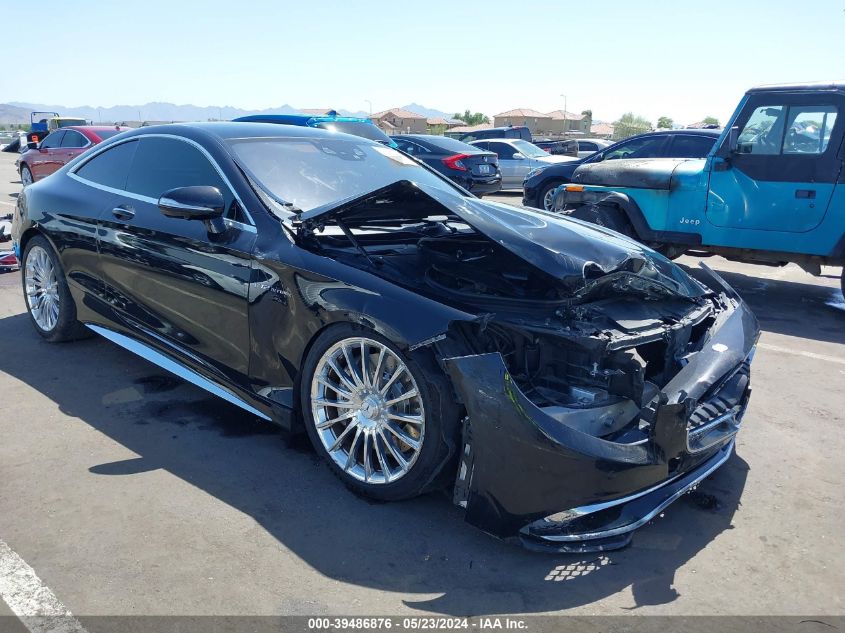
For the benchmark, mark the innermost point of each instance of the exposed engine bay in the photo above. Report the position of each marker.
(592, 350)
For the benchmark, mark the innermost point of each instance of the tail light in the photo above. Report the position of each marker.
(454, 162)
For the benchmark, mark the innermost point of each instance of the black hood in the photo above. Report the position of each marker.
(640, 173)
(579, 254)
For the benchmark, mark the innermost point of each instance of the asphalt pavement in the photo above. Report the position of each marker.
(128, 491)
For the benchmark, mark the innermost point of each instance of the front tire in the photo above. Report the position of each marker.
(607, 216)
(546, 199)
(383, 421)
(48, 300)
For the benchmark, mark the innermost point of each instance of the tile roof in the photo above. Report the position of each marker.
(570, 116)
(397, 112)
(523, 112)
(472, 128)
(601, 129)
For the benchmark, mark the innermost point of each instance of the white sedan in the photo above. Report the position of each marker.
(517, 157)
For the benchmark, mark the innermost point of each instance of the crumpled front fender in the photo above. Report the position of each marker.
(519, 464)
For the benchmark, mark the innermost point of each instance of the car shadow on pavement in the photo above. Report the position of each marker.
(421, 546)
(810, 311)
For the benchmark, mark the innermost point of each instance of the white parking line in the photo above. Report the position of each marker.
(29, 599)
(784, 350)
(11, 204)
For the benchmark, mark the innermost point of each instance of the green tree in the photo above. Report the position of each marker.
(711, 120)
(472, 118)
(630, 124)
(665, 122)
(587, 113)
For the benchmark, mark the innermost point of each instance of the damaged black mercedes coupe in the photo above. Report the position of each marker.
(563, 382)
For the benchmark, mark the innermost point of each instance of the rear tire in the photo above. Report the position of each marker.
(26, 176)
(49, 303)
(360, 439)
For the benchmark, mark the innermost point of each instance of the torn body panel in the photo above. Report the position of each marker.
(531, 470)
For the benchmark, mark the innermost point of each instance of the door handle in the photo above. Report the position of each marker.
(123, 212)
(805, 193)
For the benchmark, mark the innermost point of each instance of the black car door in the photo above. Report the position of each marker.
(186, 288)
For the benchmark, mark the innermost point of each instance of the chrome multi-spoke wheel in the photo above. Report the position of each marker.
(549, 200)
(26, 176)
(367, 410)
(42, 288)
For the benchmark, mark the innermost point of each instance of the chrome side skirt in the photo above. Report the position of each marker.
(672, 489)
(168, 364)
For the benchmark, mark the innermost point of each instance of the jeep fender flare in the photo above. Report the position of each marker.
(635, 216)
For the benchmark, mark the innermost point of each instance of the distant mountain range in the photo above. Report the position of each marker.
(17, 112)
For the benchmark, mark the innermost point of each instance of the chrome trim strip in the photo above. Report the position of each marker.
(146, 198)
(584, 510)
(119, 192)
(168, 364)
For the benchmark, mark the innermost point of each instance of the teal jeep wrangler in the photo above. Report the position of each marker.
(772, 191)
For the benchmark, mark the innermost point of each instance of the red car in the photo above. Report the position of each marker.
(60, 147)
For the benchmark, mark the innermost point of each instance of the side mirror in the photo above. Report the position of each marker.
(195, 203)
(733, 139)
(518, 156)
(32, 145)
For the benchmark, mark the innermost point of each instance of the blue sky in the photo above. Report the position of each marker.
(681, 59)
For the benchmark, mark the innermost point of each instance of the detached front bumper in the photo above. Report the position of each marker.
(524, 473)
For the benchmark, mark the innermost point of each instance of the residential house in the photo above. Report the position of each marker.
(569, 123)
(535, 121)
(399, 121)
(439, 125)
(602, 130)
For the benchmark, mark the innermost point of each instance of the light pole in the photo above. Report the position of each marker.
(564, 115)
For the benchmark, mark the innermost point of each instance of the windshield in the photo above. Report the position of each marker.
(315, 172)
(529, 149)
(356, 128)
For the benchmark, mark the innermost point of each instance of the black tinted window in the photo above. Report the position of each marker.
(503, 150)
(648, 147)
(52, 140)
(74, 139)
(450, 145)
(162, 164)
(585, 146)
(684, 146)
(110, 167)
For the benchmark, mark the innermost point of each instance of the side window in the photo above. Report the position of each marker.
(689, 146)
(586, 146)
(110, 168)
(482, 145)
(763, 131)
(405, 146)
(52, 140)
(648, 147)
(162, 164)
(502, 150)
(411, 148)
(808, 129)
(74, 139)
